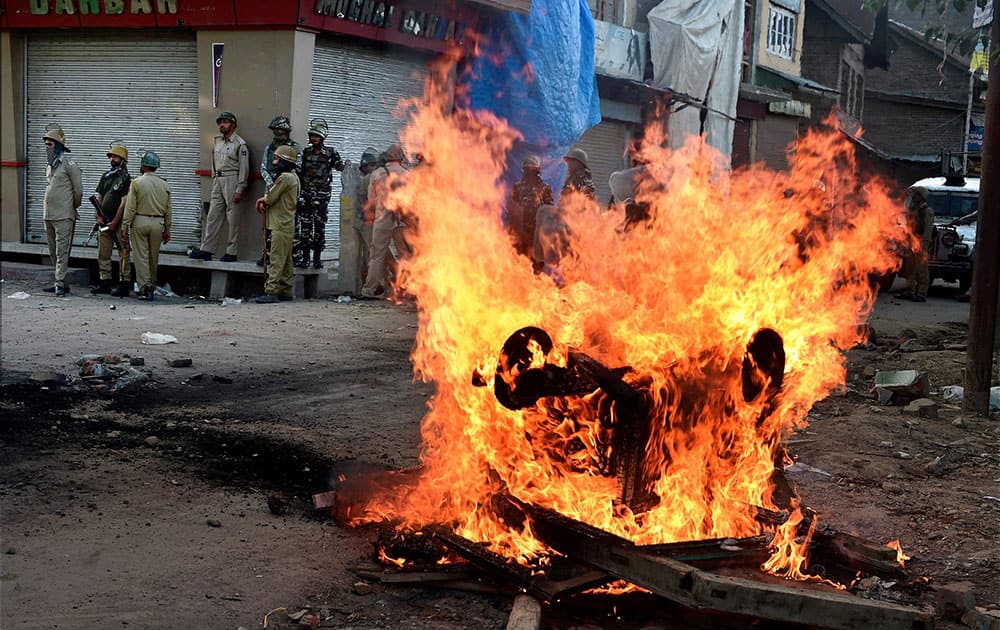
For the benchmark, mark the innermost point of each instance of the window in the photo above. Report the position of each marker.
(781, 32)
(852, 90)
(606, 10)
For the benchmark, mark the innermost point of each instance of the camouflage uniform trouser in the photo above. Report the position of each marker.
(310, 225)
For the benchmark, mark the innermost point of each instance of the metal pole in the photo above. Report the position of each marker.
(968, 125)
(986, 273)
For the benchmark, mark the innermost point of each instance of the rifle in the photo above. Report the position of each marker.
(123, 248)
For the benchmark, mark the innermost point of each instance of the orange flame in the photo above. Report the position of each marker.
(677, 299)
(901, 557)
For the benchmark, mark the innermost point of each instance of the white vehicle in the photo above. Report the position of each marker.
(955, 201)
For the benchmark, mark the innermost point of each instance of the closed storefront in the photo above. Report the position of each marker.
(138, 87)
(357, 90)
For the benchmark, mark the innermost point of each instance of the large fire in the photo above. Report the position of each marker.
(676, 299)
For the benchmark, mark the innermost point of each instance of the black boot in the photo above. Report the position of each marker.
(317, 263)
(104, 286)
(124, 288)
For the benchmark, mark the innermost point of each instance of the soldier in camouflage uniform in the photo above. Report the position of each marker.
(522, 206)
(579, 178)
(111, 193)
(281, 127)
(318, 163)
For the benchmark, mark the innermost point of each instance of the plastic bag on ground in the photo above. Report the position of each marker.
(157, 339)
(20, 295)
(953, 394)
(228, 301)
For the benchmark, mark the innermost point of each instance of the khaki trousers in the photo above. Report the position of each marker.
(382, 232)
(279, 271)
(105, 247)
(221, 209)
(145, 238)
(60, 236)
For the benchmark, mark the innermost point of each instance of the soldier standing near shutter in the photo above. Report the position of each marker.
(147, 222)
(111, 192)
(279, 207)
(318, 163)
(281, 128)
(63, 196)
(230, 172)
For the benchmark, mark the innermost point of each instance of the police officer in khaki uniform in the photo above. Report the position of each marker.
(147, 223)
(918, 278)
(63, 196)
(111, 193)
(278, 206)
(230, 171)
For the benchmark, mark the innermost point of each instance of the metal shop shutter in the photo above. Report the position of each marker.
(605, 144)
(357, 89)
(139, 87)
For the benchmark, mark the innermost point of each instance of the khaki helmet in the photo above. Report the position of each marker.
(918, 192)
(280, 122)
(150, 159)
(394, 153)
(531, 161)
(369, 157)
(319, 127)
(230, 116)
(579, 155)
(117, 148)
(287, 152)
(55, 133)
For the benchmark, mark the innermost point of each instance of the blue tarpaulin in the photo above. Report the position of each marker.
(537, 72)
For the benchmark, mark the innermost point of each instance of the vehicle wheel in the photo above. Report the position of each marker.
(965, 282)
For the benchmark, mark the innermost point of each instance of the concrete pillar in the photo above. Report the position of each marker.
(264, 74)
(11, 136)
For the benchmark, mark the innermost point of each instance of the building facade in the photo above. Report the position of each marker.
(156, 73)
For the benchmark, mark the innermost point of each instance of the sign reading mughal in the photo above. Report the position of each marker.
(102, 7)
(383, 15)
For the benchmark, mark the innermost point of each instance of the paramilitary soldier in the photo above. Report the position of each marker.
(147, 222)
(522, 207)
(63, 194)
(278, 205)
(230, 172)
(281, 128)
(579, 178)
(318, 163)
(112, 191)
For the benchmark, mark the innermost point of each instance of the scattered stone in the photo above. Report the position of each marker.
(885, 444)
(277, 505)
(152, 441)
(363, 588)
(137, 361)
(224, 380)
(197, 377)
(935, 466)
(170, 426)
(958, 422)
(214, 522)
(903, 455)
(178, 363)
(50, 378)
(894, 488)
(114, 434)
(910, 345)
(869, 371)
(954, 599)
(982, 619)
(922, 408)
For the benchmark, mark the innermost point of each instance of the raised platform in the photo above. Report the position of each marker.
(223, 274)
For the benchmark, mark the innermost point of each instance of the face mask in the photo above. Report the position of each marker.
(283, 166)
(51, 153)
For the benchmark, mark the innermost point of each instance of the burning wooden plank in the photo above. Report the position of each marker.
(696, 588)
